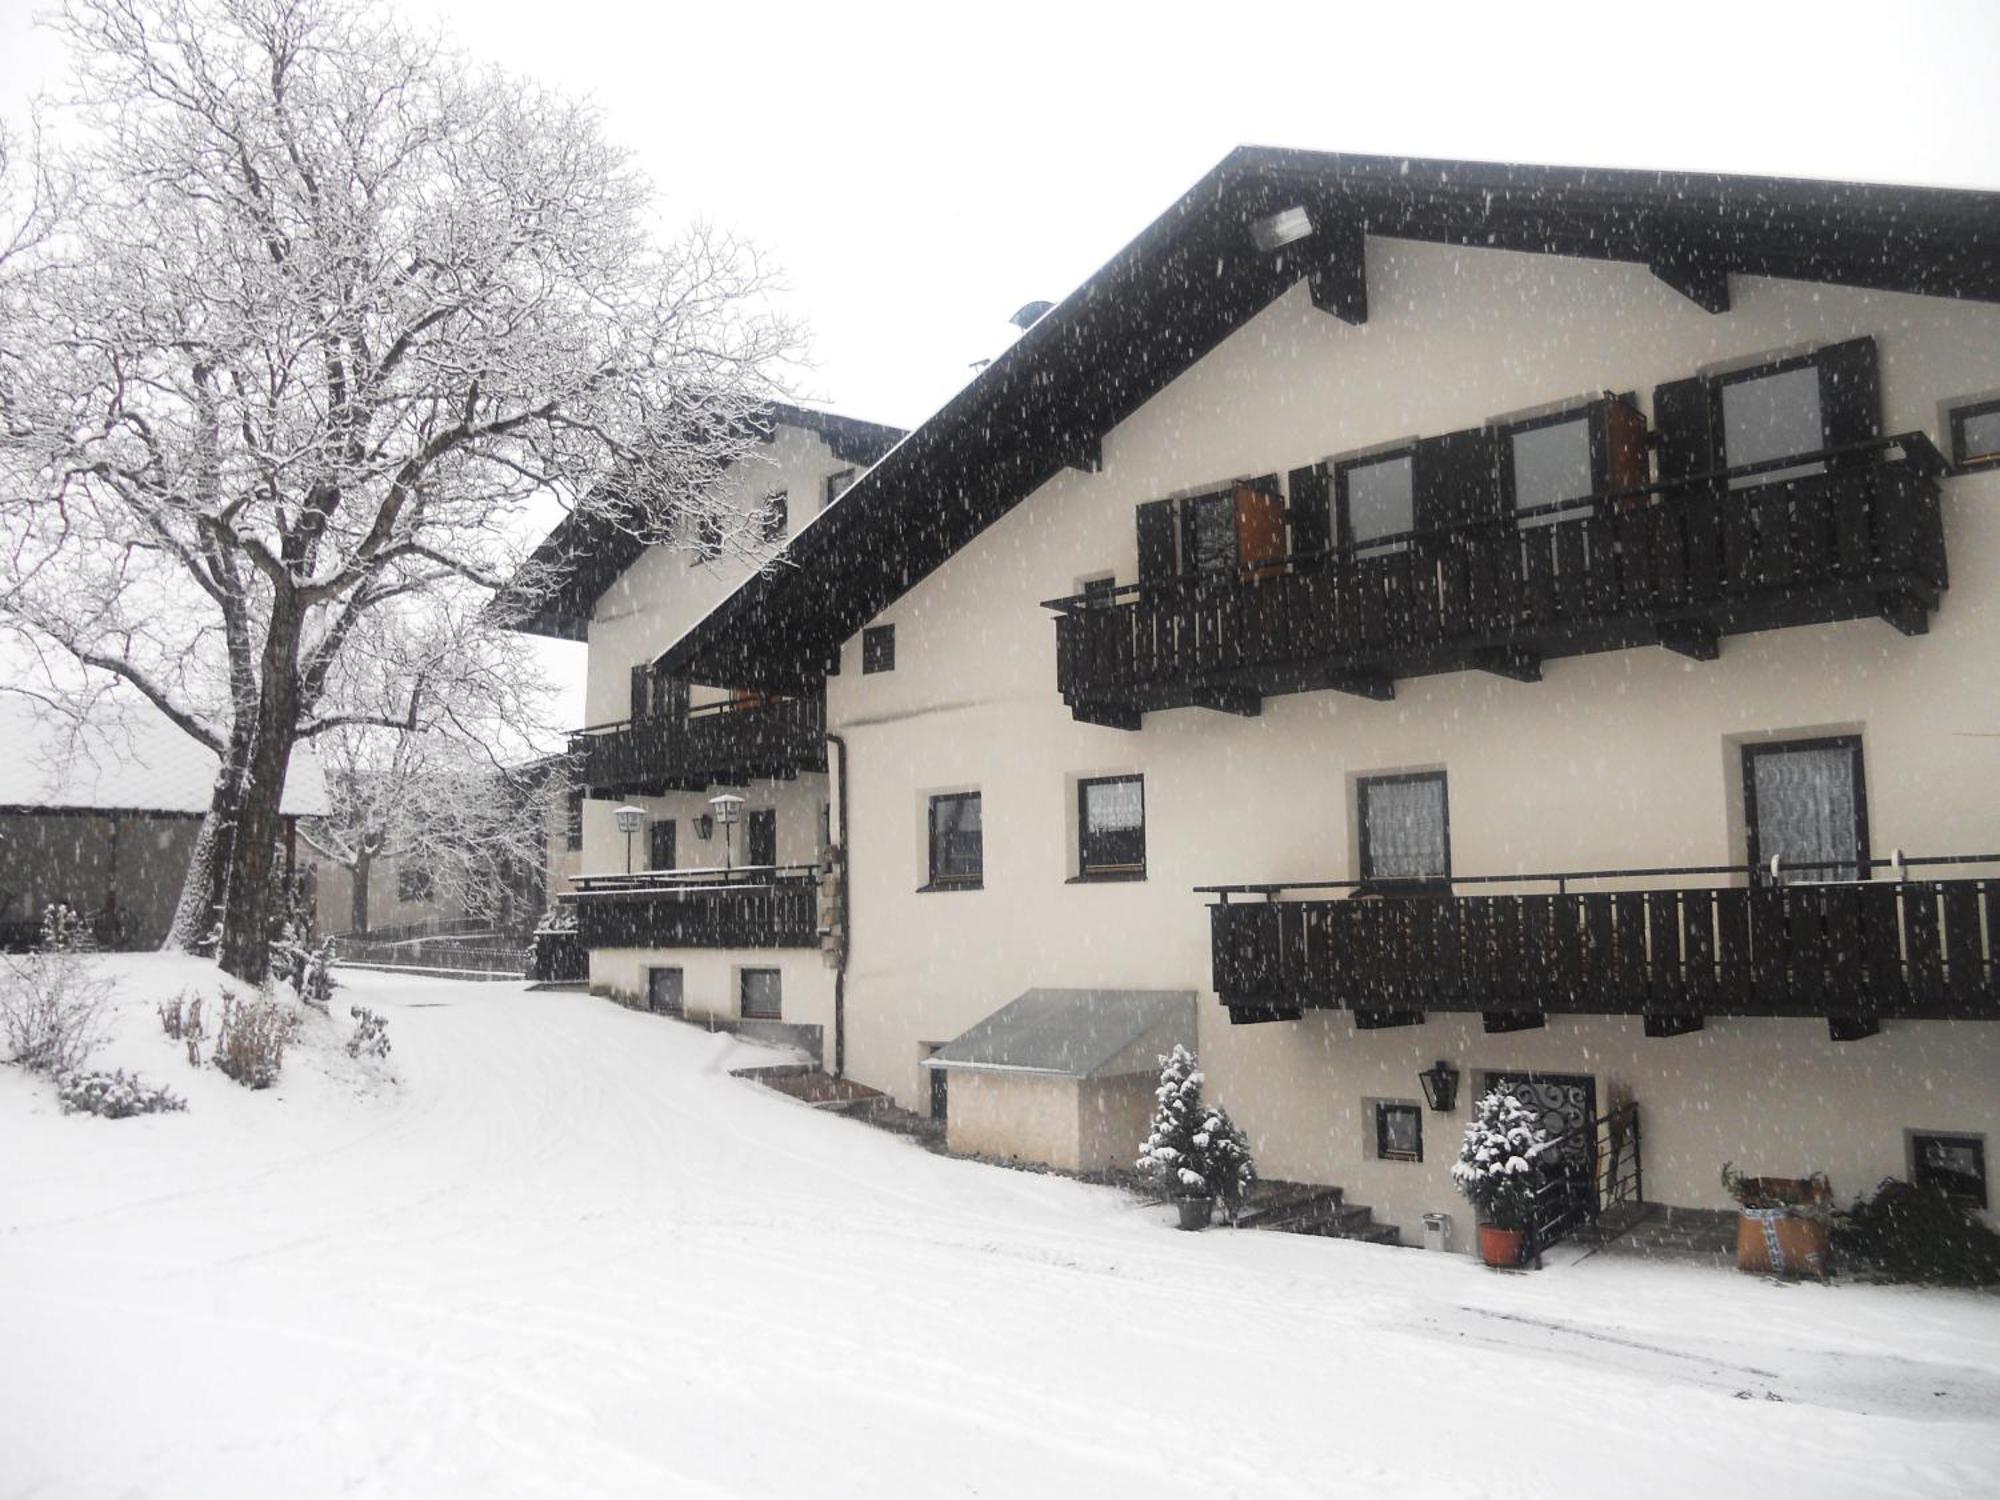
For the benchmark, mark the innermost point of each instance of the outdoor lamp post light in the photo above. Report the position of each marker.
(630, 820)
(1440, 1081)
(728, 808)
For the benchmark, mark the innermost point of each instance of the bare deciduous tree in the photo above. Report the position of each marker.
(327, 308)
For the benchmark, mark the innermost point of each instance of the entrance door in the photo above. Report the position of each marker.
(1565, 1103)
(760, 838)
(940, 1093)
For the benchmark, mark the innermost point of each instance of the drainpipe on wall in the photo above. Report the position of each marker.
(845, 846)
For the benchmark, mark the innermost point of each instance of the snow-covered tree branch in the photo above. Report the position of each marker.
(325, 309)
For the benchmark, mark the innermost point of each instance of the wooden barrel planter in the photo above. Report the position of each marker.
(1775, 1238)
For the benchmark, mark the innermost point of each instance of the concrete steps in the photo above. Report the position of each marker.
(1304, 1208)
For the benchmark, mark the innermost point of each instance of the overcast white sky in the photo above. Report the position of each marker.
(919, 172)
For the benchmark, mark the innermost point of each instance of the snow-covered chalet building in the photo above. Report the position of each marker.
(1451, 624)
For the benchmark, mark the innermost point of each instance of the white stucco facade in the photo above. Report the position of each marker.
(1625, 759)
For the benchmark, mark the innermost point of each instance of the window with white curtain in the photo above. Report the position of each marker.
(1804, 803)
(1405, 833)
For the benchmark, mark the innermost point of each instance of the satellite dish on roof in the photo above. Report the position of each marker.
(1024, 318)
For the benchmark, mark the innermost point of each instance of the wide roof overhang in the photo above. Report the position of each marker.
(1196, 274)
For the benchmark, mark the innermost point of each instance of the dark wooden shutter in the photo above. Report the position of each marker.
(1850, 392)
(761, 838)
(671, 697)
(1312, 514)
(1684, 418)
(1454, 480)
(1156, 541)
(642, 691)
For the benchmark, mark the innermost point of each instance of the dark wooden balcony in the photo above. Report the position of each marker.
(760, 907)
(723, 743)
(1853, 952)
(1679, 566)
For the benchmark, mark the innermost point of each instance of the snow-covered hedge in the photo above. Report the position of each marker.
(116, 1095)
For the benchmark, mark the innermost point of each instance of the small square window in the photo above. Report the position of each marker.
(1399, 1132)
(1955, 1165)
(878, 649)
(1111, 828)
(762, 995)
(1374, 498)
(414, 883)
(1551, 461)
(776, 521)
(838, 485)
(1975, 434)
(957, 841)
(1771, 413)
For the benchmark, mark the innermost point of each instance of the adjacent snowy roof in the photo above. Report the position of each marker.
(1075, 1033)
(129, 758)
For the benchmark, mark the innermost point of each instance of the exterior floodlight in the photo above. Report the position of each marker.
(630, 820)
(1440, 1081)
(1281, 228)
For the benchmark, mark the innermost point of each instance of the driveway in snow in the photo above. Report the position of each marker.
(569, 1255)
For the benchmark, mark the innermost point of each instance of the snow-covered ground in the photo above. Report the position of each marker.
(567, 1254)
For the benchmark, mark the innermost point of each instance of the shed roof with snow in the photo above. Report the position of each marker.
(1083, 1034)
(128, 759)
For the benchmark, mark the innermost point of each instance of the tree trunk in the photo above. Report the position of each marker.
(357, 907)
(253, 888)
(205, 888)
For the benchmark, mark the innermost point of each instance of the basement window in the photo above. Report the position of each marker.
(762, 995)
(1975, 434)
(1399, 1131)
(1954, 1165)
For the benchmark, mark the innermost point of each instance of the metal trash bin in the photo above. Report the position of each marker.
(1437, 1231)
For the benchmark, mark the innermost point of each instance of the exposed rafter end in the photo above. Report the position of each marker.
(1516, 663)
(1695, 639)
(1664, 1026)
(1382, 1020)
(1852, 1028)
(1109, 715)
(1906, 612)
(1696, 278)
(1244, 701)
(1338, 278)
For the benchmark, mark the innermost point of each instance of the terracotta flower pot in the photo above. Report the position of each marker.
(1196, 1212)
(1500, 1247)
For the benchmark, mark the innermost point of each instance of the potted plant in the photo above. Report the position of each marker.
(1194, 1151)
(1781, 1223)
(1496, 1172)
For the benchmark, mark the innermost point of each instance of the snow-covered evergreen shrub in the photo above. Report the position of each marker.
(371, 1033)
(52, 1000)
(250, 1039)
(114, 1095)
(1904, 1232)
(1496, 1170)
(1194, 1149)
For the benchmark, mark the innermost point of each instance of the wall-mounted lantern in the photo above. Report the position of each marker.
(630, 820)
(1440, 1081)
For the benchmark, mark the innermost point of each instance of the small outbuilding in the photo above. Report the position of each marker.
(1061, 1077)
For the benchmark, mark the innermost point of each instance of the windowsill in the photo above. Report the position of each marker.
(951, 885)
(1408, 1161)
(1106, 877)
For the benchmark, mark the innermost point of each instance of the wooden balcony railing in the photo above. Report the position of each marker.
(1680, 566)
(1856, 951)
(723, 743)
(764, 906)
